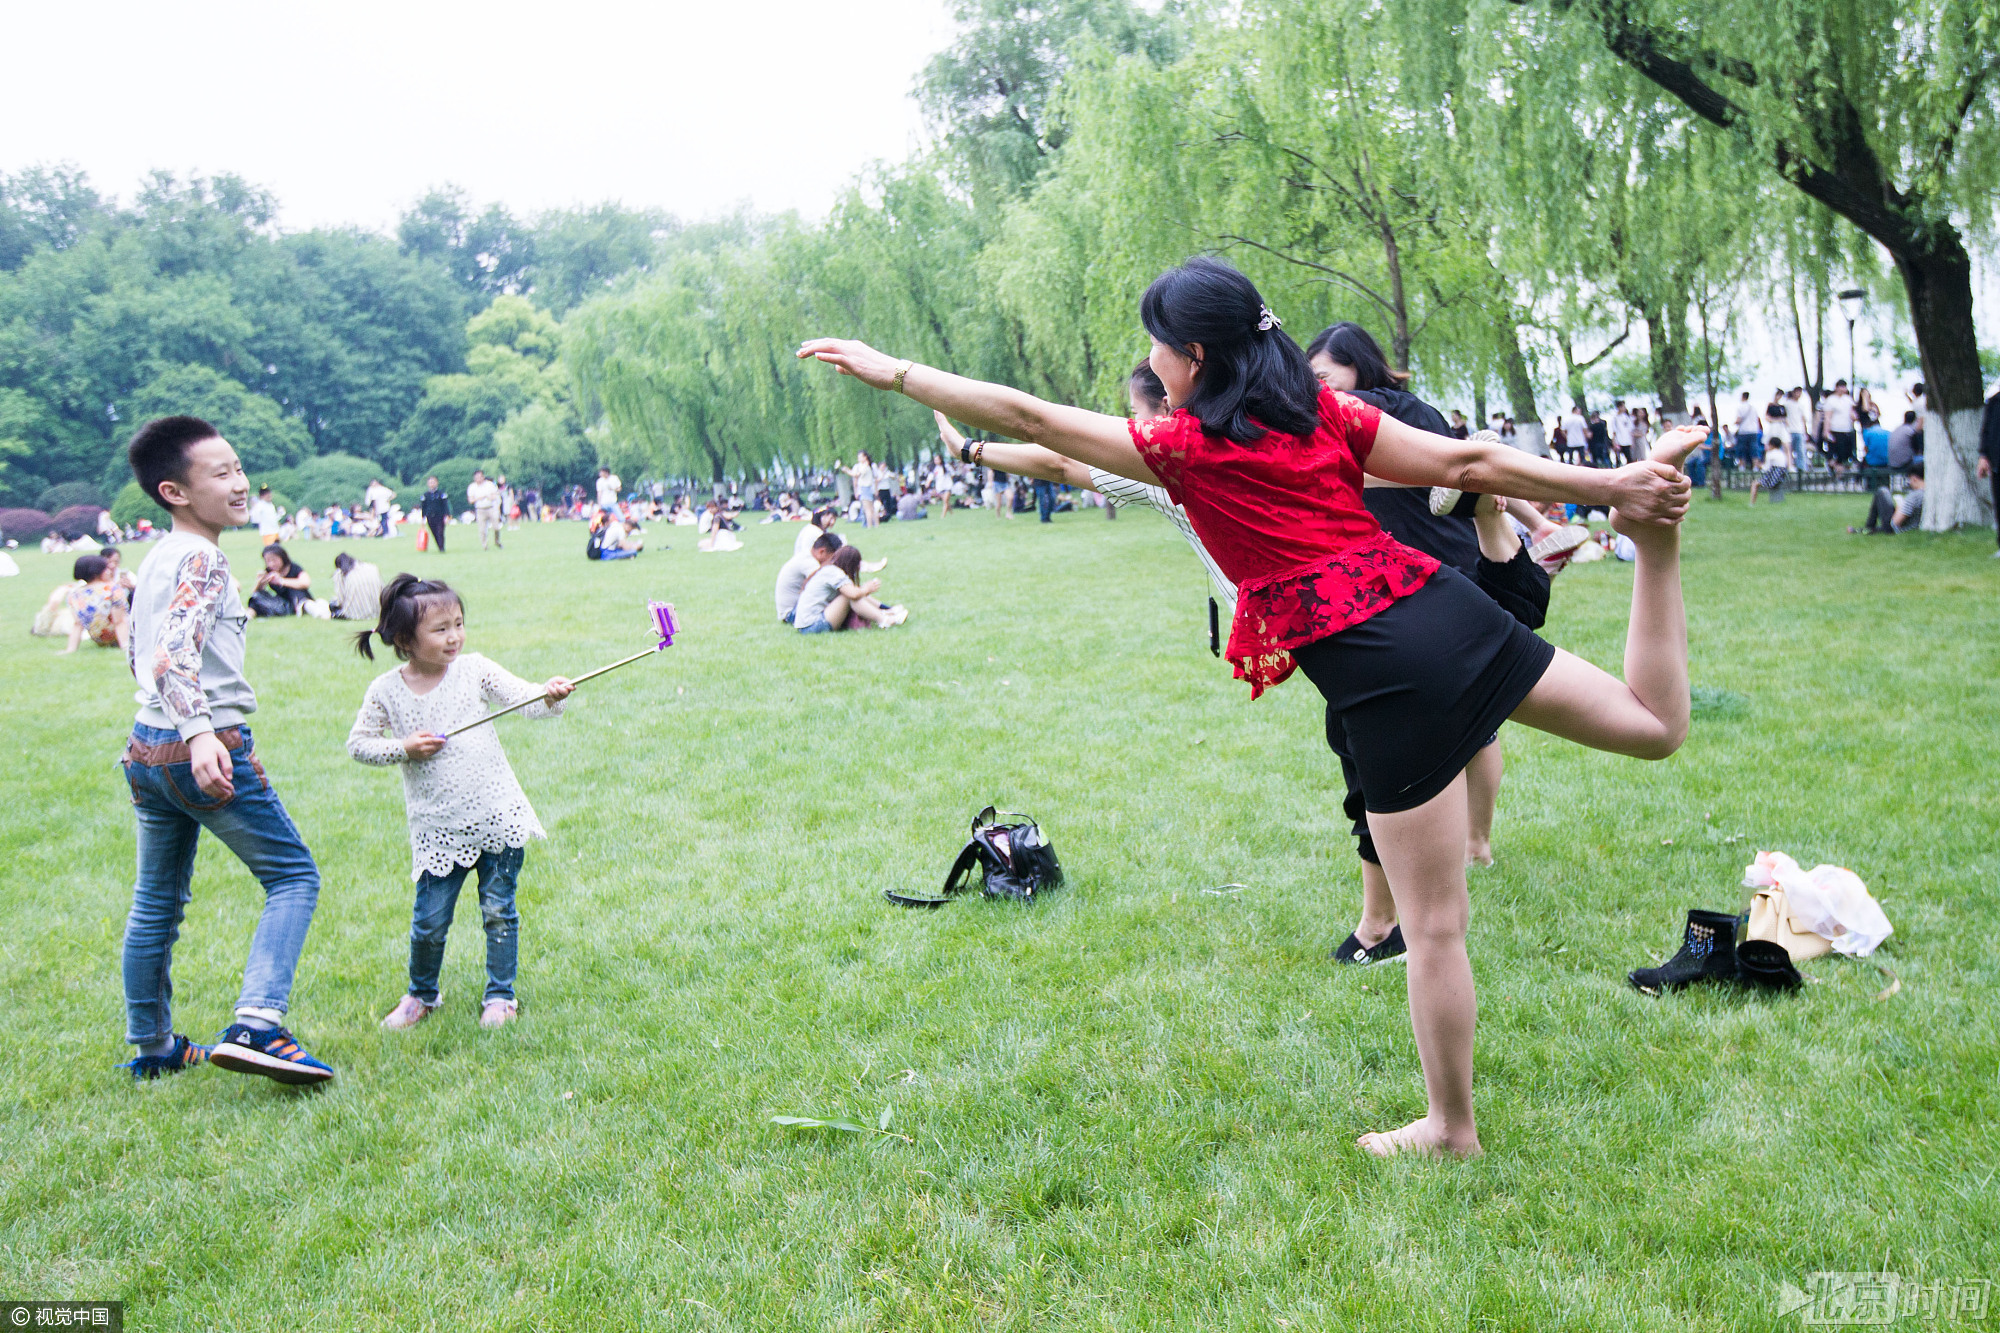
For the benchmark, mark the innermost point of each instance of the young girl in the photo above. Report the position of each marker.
(1777, 462)
(466, 810)
(1415, 663)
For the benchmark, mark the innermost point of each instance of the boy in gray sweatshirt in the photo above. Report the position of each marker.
(191, 766)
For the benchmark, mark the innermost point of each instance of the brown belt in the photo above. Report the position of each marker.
(174, 752)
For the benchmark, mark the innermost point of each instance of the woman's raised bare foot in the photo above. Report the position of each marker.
(1422, 1138)
(1674, 447)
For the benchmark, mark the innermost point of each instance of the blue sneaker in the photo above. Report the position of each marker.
(184, 1055)
(271, 1052)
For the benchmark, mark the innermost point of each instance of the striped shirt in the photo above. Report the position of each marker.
(1126, 491)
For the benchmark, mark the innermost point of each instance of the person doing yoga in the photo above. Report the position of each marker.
(1417, 664)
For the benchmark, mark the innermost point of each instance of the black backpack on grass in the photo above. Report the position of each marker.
(1015, 861)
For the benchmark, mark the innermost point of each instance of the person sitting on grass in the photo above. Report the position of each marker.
(795, 573)
(833, 600)
(357, 589)
(717, 527)
(98, 604)
(1889, 514)
(610, 539)
(281, 588)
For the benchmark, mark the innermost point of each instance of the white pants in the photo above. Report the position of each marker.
(489, 521)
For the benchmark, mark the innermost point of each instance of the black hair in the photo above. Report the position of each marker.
(1145, 382)
(404, 602)
(828, 541)
(1909, 418)
(89, 568)
(848, 561)
(343, 562)
(159, 452)
(1350, 345)
(1251, 378)
(1917, 471)
(291, 566)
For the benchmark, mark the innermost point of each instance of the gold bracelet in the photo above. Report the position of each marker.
(978, 453)
(902, 370)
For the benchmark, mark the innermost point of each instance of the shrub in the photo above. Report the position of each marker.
(76, 521)
(66, 493)
(334, 479)
(134, 504)
(23, 525)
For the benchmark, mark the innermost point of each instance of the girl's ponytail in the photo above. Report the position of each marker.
(403, 603)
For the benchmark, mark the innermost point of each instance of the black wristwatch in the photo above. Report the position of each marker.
(964, 452)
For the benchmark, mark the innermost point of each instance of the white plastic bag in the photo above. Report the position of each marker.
(1830, 901)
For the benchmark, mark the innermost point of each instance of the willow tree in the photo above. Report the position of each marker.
(1887, 113)
(1298, 142)
(895, 264)
(1116, 209)
(653, 360)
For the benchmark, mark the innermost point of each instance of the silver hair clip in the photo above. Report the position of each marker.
(1267, 321)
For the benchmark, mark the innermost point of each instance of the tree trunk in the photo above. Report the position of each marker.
(1521, 392)
(1399, 337)
(1939, 284)
(1666, 331)
(1910, 224)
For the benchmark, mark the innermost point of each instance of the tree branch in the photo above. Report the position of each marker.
(1359, 286)
(1948, 144)
(1866, 207)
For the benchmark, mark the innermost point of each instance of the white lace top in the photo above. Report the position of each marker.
(464, 799)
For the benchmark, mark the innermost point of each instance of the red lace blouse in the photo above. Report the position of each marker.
(1283, 518)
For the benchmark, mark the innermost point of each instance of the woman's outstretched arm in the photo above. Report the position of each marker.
(1094, 438)
(1653, 491)
(1025, 460)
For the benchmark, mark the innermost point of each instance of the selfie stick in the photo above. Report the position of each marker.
(663, 622)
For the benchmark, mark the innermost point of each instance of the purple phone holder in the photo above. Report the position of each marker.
(664, 622)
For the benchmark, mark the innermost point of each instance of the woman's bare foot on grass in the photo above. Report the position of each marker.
(1478, 852)
(1423, 1139)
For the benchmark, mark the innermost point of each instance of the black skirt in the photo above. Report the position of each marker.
(1416, 689)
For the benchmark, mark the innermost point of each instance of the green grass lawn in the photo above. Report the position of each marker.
(1131, 1106)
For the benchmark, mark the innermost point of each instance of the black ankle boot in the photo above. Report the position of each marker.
(1708, 953)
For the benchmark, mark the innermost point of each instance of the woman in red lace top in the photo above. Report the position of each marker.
(1416, 664)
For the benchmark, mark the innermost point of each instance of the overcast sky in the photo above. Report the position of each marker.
(349, 111)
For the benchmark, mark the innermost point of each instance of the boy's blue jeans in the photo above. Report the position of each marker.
(431, 922)
(172, 812)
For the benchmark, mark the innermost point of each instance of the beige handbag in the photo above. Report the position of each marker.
(1771, 919)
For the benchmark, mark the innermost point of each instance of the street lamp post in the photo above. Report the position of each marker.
(1850, 305)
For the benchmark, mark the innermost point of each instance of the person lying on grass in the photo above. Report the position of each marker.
(1418, 666)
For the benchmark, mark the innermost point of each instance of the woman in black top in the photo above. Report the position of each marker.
(281, 587)
(1347, 357)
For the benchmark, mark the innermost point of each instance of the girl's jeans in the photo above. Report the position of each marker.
(431, 921)
(172, 812)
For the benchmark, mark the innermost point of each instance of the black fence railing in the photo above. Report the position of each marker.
(1855, 481)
